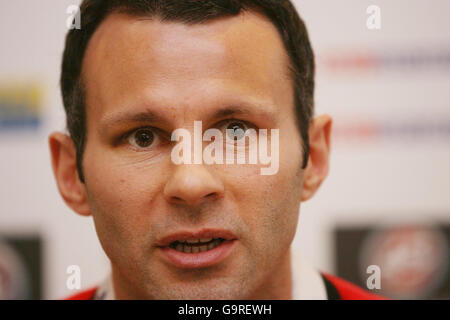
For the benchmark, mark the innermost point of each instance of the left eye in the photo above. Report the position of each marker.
(236, 130)
(142, 138)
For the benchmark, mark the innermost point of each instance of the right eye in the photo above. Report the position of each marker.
(236, 130)
(142, 138)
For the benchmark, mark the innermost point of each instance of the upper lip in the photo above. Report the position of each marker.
(193, 235)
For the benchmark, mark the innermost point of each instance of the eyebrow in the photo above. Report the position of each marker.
(150, 116)
(118, 118)
(256, 110)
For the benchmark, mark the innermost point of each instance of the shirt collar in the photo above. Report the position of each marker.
(105, 290)
(307, 283)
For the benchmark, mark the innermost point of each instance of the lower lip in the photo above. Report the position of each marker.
(200, 259)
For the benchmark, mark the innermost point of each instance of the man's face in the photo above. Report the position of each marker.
(160, 76)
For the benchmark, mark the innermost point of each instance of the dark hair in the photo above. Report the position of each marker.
(281, 13)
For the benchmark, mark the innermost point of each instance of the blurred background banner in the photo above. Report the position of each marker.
(20, 267)
(413, 260)
(20, 107)
(386, 201)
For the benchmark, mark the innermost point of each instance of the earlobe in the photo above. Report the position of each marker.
(318, 162)
(73, 191)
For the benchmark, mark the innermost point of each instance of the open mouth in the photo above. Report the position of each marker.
(195, 246)
(197, 249)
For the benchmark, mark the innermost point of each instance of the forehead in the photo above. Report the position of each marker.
(133, 59)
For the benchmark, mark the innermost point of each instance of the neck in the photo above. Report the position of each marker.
(123, 289)
(278, 285)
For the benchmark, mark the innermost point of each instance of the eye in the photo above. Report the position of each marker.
(142, 138)
(236, 130)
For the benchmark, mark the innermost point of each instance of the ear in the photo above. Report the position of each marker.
(319, 150)
(70, 187)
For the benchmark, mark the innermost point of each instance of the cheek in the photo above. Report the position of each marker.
(122, 198)
(115, 209)
(116, 181)
(269, 204)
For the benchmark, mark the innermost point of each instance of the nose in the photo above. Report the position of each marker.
(192, 185)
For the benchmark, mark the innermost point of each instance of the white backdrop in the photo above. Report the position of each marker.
(398, 76)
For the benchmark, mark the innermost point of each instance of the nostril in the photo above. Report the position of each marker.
(194, 200)
(191, 185)
(177, 199)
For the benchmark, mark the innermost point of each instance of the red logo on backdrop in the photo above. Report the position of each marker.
(413, 260)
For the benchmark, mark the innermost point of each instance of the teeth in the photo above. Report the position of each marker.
(199, 240)
(211, 245)
(192, 248)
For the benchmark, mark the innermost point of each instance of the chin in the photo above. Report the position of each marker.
(216, 291)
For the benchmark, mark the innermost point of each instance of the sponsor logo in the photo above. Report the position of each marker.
(20, 107)
(412, 260)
